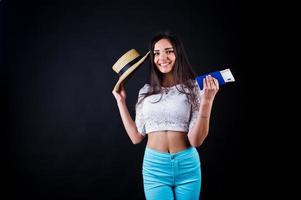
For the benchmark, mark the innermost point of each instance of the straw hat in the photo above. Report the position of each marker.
(127, 64)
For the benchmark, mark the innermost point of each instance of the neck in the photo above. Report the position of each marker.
(168, 80)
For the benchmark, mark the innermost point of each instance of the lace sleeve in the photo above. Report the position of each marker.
(139, 119)
(195, 107)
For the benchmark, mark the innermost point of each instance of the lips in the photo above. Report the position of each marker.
(164, 64)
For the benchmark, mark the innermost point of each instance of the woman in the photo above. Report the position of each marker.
(175, 116)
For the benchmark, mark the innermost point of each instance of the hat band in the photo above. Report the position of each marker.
(127, 66)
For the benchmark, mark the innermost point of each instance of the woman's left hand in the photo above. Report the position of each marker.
(210, 88)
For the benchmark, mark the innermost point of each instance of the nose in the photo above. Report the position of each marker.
(163, 55)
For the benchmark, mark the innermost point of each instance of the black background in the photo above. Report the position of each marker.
(63, 137)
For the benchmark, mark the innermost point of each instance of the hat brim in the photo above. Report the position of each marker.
(129, 71)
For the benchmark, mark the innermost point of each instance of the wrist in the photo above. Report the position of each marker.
(206, 102)
(121, 102)
(205, 109)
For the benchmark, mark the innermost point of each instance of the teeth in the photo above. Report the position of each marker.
(165, 64)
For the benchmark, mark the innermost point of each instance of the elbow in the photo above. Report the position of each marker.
(197, 141)
(137, 139)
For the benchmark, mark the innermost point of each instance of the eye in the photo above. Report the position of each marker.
(156, 53)
(169, 51)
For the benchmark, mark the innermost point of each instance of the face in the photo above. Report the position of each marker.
(164, 56)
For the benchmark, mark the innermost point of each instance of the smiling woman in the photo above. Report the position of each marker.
(164, 57)
(175, 115)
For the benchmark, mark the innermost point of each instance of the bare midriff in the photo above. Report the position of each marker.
(168, 141)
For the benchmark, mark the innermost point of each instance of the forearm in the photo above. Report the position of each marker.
(201, 128)
(129, 124)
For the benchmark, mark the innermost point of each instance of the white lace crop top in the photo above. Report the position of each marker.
(173, 112)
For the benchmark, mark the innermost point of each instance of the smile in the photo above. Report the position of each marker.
(164, 64)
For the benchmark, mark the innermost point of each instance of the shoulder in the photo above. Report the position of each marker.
(195, 89)
(194, 83)
(144, 89)
(190, 85)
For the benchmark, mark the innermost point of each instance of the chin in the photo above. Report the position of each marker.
(165, 71)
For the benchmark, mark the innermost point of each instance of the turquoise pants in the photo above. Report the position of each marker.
(169, 176)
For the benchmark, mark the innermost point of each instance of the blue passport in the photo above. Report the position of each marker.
(223, 77)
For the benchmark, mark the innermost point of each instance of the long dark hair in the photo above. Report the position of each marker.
(183, 74)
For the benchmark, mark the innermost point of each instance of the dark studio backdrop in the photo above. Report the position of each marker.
(63, 137)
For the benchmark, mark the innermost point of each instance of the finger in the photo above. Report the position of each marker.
(121, 86)
(114, 92)
(210, 81)
(205, 82)
(216, 83)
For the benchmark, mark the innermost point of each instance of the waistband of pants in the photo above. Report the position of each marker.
(183, 153)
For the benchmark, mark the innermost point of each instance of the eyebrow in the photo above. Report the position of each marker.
(164, 49)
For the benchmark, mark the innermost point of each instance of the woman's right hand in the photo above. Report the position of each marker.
(120, 95)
